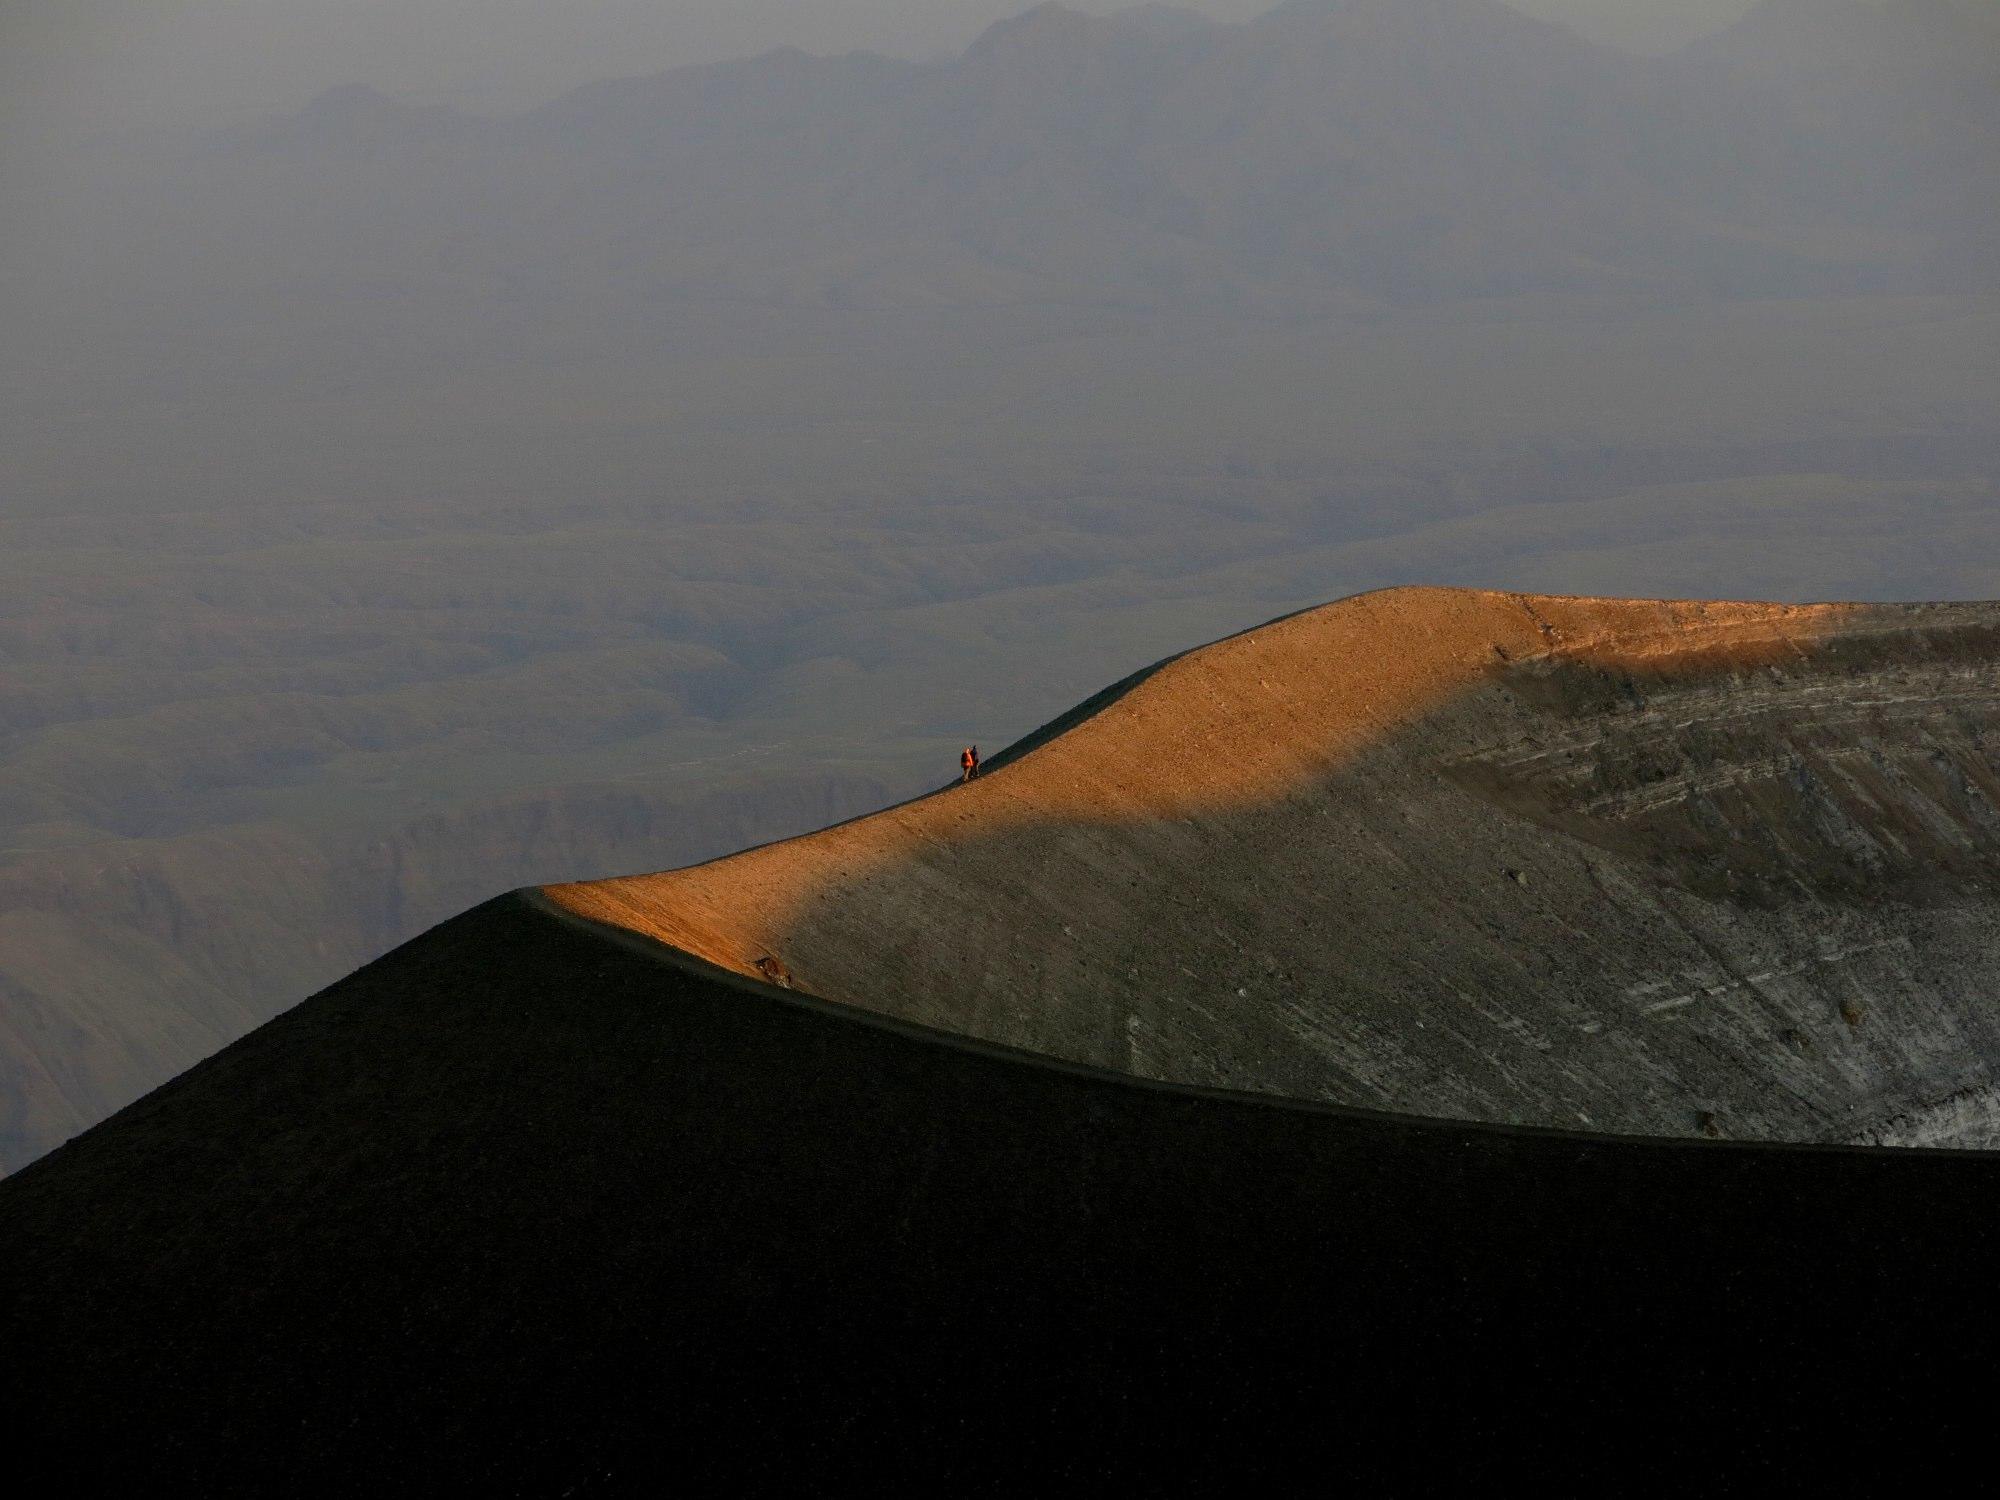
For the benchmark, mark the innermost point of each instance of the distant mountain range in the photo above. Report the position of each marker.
(1406, 150)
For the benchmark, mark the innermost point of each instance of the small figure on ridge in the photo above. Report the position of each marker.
(968, 762)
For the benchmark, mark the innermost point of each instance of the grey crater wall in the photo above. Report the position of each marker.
(1754, 903)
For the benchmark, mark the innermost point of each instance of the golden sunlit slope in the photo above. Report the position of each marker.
(1636, 865)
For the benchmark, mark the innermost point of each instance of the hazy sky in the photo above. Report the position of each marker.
(115, 65)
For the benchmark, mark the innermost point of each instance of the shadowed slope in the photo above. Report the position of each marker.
(1631, 865)
(529, 1207)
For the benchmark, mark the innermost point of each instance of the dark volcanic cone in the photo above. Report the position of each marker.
(539, 1206)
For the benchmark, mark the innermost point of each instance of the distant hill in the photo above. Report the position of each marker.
(542, 1206)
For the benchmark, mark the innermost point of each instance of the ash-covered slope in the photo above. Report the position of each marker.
(538, 1206)
(1670, 868)
(531, 1208)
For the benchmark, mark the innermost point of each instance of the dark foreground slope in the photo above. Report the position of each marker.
(533, 1207)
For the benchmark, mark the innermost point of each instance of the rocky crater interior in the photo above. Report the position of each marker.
(1632, 866)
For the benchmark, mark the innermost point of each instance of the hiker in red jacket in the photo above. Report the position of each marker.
(968, 762)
